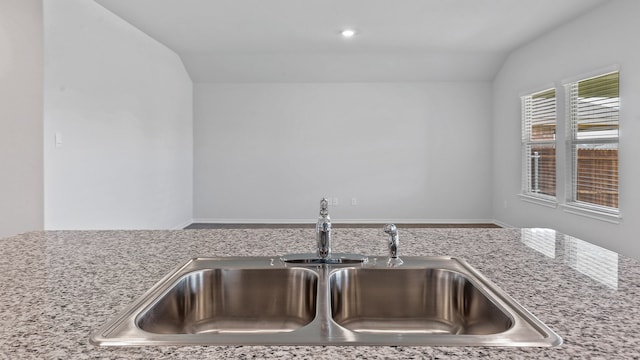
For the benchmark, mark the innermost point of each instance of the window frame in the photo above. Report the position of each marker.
(572, 204)
(528, 191)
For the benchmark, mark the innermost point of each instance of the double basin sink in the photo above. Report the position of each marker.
(431, 301)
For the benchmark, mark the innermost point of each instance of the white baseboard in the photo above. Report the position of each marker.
(252, 221)
(344, 221)
(183, 225)
(502, 224)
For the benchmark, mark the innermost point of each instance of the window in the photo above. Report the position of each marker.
(539, 144)
(593, 107)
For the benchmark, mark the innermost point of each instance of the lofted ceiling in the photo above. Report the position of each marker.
(299, 40)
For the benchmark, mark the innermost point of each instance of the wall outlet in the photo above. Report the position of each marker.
(332, 201)
(58, 139)
(354, 201)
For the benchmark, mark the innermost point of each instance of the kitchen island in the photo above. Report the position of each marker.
(59, 286)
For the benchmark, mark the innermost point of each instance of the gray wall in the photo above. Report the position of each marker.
(604, 37)
(409, 152)
(122, 103)
(406, 151)
(21, 108)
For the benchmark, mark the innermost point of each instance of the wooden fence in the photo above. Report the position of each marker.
(597, 175)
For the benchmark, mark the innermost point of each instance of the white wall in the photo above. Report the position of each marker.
(407, 151)
(21, 77)
(601, 38)
(123, 105)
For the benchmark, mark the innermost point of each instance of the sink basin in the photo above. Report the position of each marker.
(418, 301)
(425, 301)
(234, 301)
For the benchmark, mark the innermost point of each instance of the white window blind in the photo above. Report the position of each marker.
(539, 144)
(593, 107)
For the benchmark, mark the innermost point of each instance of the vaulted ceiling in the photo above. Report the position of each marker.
(299, 40)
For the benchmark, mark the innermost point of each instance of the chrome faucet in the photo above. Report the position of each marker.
(394, 242)
(323, 230)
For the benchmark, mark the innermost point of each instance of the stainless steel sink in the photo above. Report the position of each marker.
(432, 301)
(413, 301)
(234, 301)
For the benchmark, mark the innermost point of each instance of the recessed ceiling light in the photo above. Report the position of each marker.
(348, 33)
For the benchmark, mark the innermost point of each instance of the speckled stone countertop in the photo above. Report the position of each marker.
(58, 287)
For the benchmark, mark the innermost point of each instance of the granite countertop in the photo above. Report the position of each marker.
(59, 286)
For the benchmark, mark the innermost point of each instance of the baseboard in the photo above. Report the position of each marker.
(253, 221)
(183, 225)
(502, 224)
(344, 221)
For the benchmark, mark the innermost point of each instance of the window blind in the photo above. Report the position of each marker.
(593, 108)
(539, 144)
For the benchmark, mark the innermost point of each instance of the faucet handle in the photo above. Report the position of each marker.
(324, 207)
(392, 231)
